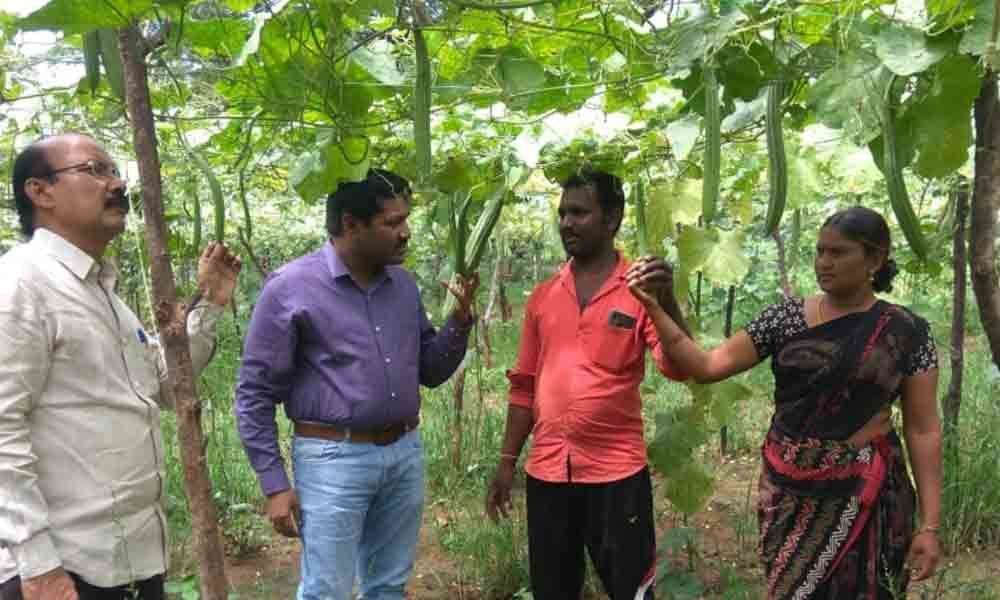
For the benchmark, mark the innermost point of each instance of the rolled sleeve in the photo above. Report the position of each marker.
(264, 381)
(522, 376)
(201, 325)
(25, 361)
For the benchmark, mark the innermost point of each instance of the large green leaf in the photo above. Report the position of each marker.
(906, 51)
(743, 71)
(379, 62)
(682, 134)
(692, 39)
(718, 254)
(906, 148)
(848, 95)
(804, 182)
(519, 74)
(241, 5)
(459, 174)
(727, 396)
(688, 487)
(977, 37)
(948, 14)
(218, 37)
(942, 129)
(80, 16)
(317, 172)
(678, 433)
(745, 114)
(811, 23)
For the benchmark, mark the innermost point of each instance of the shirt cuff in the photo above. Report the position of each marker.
(273, 481)
(522, 400)
(203, 317)
(460, 327)
(37, 556)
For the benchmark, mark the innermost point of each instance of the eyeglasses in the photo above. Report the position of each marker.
(96, 168)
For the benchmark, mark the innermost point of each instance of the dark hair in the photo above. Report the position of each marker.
(31, 162)
(867, 227)
(608, 187)
(363, 199)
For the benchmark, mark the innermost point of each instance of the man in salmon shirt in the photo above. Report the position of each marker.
(575, 388)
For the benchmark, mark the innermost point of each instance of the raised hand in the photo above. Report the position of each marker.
(464, 291)
(218, 270)
(654, 275)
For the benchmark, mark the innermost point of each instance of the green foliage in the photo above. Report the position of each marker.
(317, 172)
(79, 16)
(942, 130)
(907, 51)
(717, 253)
(283, 104)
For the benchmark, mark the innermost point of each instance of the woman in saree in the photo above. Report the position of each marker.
(836, 506)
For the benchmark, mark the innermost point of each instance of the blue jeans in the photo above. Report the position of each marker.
(361, 508)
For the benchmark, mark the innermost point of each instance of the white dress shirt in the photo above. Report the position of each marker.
(81, 455)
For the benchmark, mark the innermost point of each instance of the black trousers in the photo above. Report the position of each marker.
(613, 521)
(147, 589)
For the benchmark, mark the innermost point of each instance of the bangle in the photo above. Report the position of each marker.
(926, 529)
(512, 457)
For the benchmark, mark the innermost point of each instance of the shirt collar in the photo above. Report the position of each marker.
(338, 269)
(76, 260)
(617, 275)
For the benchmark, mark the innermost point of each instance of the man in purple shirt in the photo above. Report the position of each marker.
(341, 337)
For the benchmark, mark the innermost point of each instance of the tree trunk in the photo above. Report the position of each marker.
(953, 401)
(983, 216)
(171, 320)
(456, 431)
(786, 286)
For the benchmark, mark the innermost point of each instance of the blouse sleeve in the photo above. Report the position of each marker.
(923, 357)
(765, 329)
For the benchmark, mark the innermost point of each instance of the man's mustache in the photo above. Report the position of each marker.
(120, 200)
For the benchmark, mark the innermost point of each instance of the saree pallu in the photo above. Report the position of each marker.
(836, 520)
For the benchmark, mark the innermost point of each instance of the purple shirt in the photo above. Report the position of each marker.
(336, 353)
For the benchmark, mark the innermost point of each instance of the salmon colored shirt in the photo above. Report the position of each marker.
(579, 372)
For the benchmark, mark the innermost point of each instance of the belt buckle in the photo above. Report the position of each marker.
(388, 436)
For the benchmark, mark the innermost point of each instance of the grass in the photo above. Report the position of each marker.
(492, 559)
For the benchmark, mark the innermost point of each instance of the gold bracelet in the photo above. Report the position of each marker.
(926, 529)
(512, 457)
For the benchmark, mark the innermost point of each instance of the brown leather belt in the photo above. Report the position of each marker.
(379, 437)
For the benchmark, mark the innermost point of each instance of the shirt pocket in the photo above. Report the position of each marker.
(611, 347)
(141, 356)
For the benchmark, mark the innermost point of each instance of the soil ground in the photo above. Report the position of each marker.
(726, 546)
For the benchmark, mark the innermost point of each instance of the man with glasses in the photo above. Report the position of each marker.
(81, 455)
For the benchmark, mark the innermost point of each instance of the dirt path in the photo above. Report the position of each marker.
(273, 573)
(725, 548)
